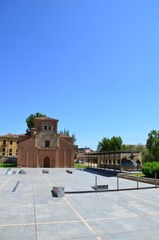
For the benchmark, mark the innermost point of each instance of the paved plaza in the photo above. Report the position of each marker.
(30, 211)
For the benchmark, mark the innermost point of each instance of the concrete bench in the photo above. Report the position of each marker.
(68, 171)
(45, 171)
(59, 191)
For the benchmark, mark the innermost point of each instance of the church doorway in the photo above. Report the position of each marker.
(46, 162)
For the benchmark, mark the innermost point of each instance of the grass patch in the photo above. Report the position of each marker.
(137, 174)
(79, 165)
(7, 165)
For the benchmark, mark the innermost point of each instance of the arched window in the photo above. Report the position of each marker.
(10, 151)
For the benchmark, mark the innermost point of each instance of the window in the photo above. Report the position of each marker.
(47, 143)
(17, 142)
(49, 127)
(45, 127)
(3, 151)
(10, 151)
(11, 142)
(4, 142)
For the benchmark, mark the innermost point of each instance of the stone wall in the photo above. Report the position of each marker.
(139, 179)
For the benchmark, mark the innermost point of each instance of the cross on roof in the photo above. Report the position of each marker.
(132, 156)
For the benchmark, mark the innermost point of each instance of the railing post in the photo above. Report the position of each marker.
(96, 183)
(117, 183)
(137, 182)
(155, 180)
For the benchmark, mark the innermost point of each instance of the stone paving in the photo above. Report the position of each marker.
(31, 212)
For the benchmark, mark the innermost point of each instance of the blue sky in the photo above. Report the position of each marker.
(94, 65)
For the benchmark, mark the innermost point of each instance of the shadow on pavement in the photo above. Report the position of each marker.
(102, 172)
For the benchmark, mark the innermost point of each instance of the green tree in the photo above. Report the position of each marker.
(152, 145)
(128, 147)
(104, 145)
(67, 133)
(116, 143)
(30, 121)
(131, 147)
(113, 144)
(146, 157)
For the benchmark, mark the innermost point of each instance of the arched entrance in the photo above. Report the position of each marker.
(46, 162)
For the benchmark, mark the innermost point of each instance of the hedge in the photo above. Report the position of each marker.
(150, 169)
(8, 165)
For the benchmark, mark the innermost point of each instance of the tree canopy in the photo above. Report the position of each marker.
(152, 145)
(30, 121)
(67, 133)
(113, 144)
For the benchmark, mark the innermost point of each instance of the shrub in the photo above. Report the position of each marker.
(150, 169)
(8, 165)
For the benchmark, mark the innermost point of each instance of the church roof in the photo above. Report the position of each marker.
(65, 136)
(46, 119)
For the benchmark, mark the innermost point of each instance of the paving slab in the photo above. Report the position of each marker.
(31, 211)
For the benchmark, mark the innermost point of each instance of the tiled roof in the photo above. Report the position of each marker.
(65, 136)
(10, 135)
(47, 118)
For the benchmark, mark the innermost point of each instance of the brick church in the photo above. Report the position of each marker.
(45, 147)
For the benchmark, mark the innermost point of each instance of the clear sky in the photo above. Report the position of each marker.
(92, 64)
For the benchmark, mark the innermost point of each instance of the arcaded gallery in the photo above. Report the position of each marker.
(45, 147)
(115, 160)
